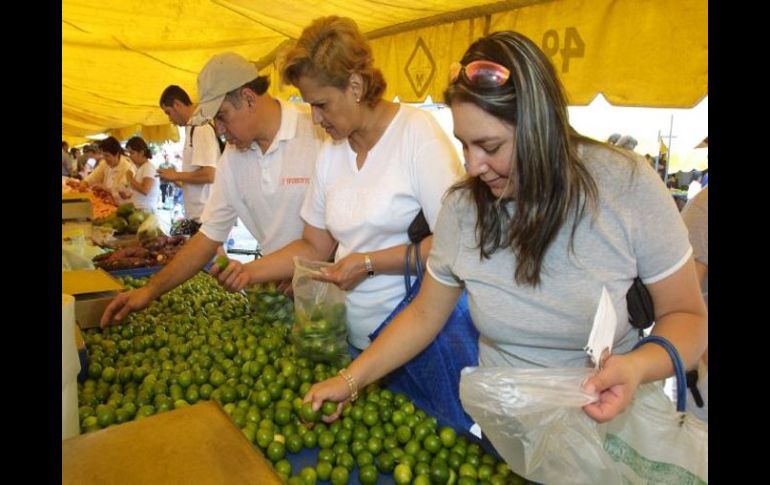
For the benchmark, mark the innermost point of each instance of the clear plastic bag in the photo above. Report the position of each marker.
(320, 330)
(533, 417)
(149, 229)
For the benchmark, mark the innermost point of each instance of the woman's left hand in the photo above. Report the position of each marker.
(616, 384)
(346, 273)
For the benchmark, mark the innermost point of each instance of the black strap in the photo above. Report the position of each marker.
(221, 143)
(692, 385)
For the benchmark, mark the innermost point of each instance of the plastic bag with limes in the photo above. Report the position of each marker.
(320, 329)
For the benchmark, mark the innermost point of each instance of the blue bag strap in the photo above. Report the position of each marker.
(418, 261)
(407, 272)
(408, 267)
(681, 380)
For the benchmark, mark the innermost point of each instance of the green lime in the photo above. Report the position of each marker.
(402, 474)
(324, 470)
(339, 475)
(439, 473)
(432, 443)
(368, 475)
(328, 408)
(294, 443)
(222, 262)
(403, 434)
(307, 413)
(276, 450)
(326, 439)
(448, 436)
(283, 467)
(421, 480)
(309, 475)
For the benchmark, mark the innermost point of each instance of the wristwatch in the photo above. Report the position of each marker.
(368, 266)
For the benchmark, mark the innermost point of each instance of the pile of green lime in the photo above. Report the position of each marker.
(200, 342)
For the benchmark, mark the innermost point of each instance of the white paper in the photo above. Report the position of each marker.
(603, 331)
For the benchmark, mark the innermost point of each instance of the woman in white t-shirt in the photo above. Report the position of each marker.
(144, 185)
(110, 174)
(385, 163)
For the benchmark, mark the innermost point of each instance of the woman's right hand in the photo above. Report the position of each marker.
(334, 389)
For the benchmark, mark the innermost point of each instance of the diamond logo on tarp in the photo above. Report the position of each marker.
(420, 68)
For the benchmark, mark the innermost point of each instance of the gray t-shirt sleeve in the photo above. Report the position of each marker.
(696, 218)
(443, 252)
(658, 235)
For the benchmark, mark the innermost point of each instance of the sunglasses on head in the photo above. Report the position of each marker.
(480, 74)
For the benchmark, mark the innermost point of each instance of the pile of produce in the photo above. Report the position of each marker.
(126, 220)
(102, 203)
(199, 342)
(151, 252)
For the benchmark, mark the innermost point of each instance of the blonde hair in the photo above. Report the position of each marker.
(330, 49)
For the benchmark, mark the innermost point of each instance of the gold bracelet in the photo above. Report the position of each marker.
(351, 384)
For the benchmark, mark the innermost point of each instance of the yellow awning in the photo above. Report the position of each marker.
(118, 56)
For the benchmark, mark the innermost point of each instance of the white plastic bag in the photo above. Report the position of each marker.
(653, 443)
(533, 417)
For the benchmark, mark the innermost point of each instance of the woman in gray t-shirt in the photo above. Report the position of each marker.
(544, 219)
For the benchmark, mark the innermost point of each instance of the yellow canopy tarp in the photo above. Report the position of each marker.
(118, 55)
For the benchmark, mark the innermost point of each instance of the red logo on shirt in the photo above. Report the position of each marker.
(295, 180)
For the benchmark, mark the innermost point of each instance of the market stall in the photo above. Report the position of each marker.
(252, 356)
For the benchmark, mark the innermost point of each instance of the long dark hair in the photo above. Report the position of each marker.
(550, 182)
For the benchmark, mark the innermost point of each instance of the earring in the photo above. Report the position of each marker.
(358, 100)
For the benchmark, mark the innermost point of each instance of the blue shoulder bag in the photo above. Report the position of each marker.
(432, 378)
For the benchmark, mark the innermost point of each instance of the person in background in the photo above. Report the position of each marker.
(696, 217)
(66, 160)
(385, 164)
(261, 179)
(144, 187)
(199, 156)
(87, 160)
(74, 153)
(110, 174)
(166, 187)
(545, 219)
(694, 187)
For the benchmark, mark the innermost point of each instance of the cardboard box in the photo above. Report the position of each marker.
(93, 290)
(75, 206)
(198, 444)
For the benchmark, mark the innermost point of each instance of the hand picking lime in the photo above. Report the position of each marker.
(221, 262)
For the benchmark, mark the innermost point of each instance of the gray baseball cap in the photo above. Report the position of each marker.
(222, 73)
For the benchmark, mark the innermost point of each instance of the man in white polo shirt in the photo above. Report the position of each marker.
(199, 156)
(261, 177)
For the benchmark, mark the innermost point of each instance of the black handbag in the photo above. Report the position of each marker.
(419, 228)
(641, 312)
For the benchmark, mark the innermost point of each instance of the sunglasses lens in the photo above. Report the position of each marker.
(486, 74)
